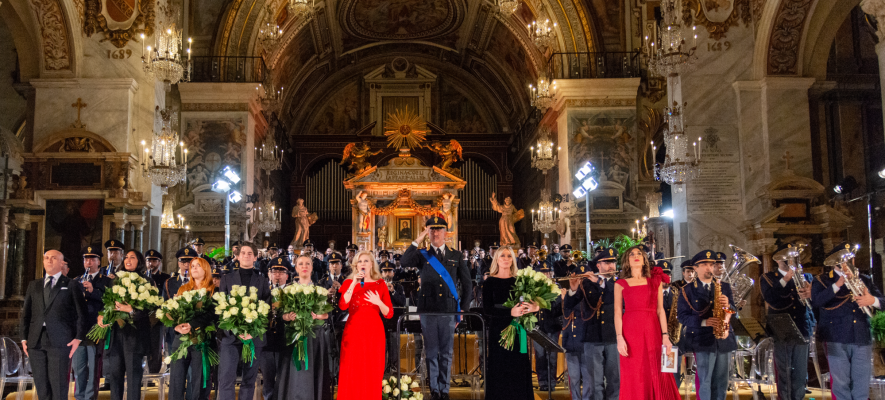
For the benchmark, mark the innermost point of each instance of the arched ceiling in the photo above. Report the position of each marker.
(486, 57)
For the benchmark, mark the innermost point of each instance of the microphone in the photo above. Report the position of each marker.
(362, 280)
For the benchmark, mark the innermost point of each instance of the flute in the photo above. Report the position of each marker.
(587, 275)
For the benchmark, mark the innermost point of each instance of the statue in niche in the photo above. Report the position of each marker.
(382, 237)
(363, 207)
(358, 155)
(445, 203)
(449, 153)
(509, 216)
(303, 221)
(617, 175)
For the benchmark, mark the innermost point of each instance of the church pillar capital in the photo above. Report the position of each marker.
(876, 8)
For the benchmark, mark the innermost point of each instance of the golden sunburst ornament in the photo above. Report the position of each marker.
(404, 128)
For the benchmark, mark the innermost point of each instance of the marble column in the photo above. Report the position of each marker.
(17, 268)
(119, 232)
(137, 233)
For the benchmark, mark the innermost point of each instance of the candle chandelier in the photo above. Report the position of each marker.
(270, 97)
(543, 33)
(270, 33)
(169, 221)
(683, 157)
(543, 157)
(545, 218)
(164, 60)
(670, 54)
(269, 217)
(508, 7)
(268, 156)
(542, 95)
(158, 163)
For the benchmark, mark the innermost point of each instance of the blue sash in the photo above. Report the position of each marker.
(438, 267)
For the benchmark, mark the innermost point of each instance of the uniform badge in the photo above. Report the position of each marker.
(708, 254)
(186, 251)
(89, 249)
(280, 260)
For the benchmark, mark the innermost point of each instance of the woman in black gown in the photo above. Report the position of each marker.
(509, 371)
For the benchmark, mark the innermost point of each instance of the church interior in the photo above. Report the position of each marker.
(703, 124)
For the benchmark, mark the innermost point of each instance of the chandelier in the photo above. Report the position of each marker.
(543, 34)
(640, 231)
(547, 216)
(266, 156)
(671, 56)
(269, 217)
(508, 7)
(543, 157)
(682, 160)
(158, 163)
(270, 33)
(169, 221)
(270, 97)
(164, 60)
(542, 95)
(300, 7)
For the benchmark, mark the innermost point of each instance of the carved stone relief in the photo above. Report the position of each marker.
(783, 45)
(54, 33)
(130, 18)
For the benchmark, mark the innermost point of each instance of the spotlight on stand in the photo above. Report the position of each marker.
(846, 185)
(882, 173)
(222, 186)
(586, 174)
(235, 197)
(231, 175)
(668, 214)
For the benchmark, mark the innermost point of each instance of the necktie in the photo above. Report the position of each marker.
(46, 289)
(439, 255)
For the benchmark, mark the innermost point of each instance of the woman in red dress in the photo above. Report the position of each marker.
(362, 345)
(641, 325)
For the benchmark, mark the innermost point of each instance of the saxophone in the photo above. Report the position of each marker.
(674, 328)
(720, 312)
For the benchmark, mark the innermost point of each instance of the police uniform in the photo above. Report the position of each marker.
(229, 258)
(159, 277)
(199, 241)
(711, 354)
(265, 263)
(86, 363)
(397, 299)
(597, 304)
(671, 293)
(155, 354)
(550, 323)
(572, 342)
(175, 282)
(275, 340)
(526, 262)
(844, 327)
(110, 245)
(434, 295)
(319, 267)
(347, 267)
(782, 297)
(686, 265)
(561, 268)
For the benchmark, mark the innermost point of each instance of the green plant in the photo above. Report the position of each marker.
(877, 326)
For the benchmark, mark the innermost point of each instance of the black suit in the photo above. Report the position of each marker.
(48, 327)
(230, 345)
(128, 347)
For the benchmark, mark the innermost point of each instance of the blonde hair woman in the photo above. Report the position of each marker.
(509, 371)
(366, 298)
(201, 278)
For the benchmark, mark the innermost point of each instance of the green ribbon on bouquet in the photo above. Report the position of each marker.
(300, 346)
(107, 338)
(523, 344)
(203, 348)
(250, 345)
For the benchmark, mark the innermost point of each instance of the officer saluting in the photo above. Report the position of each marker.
(844, 326)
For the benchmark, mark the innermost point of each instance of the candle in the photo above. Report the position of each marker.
(142, 45)
(699, 148)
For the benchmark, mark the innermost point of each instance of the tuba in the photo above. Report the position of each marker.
(741, 284)
(855, 283)
(720, 312)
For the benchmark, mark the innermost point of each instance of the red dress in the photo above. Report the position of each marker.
(642, 332)
(362, 345)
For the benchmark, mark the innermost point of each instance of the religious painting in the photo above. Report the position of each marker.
(402, 19)
(340, 114)
(71, 225)
(459, 115)
(507, 49)
(212, 144)
(404, 229)
(606, 138)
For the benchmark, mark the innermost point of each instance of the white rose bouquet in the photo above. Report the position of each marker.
(301, 300)
(530, 286)
(128, 288)
(183, 309)
(406, 390)
(243, 314)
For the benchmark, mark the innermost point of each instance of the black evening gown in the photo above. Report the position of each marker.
(509, 371)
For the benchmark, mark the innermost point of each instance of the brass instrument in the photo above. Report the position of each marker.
(539, 255)
(741, 284)
(854, 283)
(587, 275)
(674, 328)
(720, 312)
(792, 259)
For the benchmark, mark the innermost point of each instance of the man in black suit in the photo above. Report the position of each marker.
(53, 325)
(86, 364)
(230, 345)
(435, 295)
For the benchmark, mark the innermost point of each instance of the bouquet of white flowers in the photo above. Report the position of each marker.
(182, 309)
(301, 300)
(530, 286)
(242, 314)
(128, 288)
(406, 390)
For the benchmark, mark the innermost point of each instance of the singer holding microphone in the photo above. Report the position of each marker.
(366, 298)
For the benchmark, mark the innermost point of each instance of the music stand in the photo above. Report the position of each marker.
(782, 329)
(552, 348)
(749, 327)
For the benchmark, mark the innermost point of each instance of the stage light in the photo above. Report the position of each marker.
(235, 196)
(584, 171)
(846, 185)
(231, 175)
(221, 186)
(579, 192)
(668, 214)
(882, 173)
(590, 184)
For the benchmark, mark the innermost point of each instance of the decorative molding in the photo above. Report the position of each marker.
(96, 22)
(54, 33)
(600, 102)
(740, 11)
(215, 107)
(786, 35)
